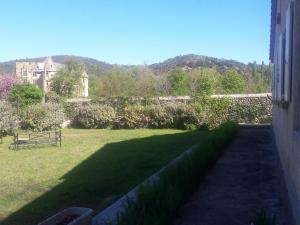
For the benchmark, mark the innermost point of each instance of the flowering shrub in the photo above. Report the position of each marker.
(41, 117)
(94, 116)
(6, 83)
(8, 120)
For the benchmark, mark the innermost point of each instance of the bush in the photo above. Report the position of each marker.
(23, 95)
(41, 117)
(8, 119)
(183, 116)
(246, 112)
(158, 202)
(178, 116)
(213, 111)
(94, 116)
(138, 116)
(52, 97)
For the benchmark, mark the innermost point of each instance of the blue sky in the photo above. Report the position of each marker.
(135, 31)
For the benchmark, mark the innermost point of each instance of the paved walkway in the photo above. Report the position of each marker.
(245, 180)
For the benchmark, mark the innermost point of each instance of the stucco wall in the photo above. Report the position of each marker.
(285, 117)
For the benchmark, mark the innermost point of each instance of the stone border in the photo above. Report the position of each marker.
(110, 214)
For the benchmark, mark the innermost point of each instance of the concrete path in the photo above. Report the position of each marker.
(246, 179)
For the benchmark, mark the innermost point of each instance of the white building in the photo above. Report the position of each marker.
(285, 55)
(40, 74)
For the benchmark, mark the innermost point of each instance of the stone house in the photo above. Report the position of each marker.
(40, 74)
(285, 56)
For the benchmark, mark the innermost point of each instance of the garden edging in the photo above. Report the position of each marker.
(111, 213)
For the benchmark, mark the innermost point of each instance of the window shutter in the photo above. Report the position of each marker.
(274, 83)
(288, 54)
(280, 66)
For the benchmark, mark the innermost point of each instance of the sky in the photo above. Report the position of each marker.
(135, 31)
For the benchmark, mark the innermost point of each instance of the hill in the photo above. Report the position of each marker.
(99, 68)
(197, 61)
(93, 66)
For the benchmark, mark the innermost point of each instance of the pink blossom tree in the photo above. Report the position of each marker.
(6, 83)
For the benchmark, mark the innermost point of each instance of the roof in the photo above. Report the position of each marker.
(47, 64)
(273, 29)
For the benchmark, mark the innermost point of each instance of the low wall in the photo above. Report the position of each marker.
(250, 108)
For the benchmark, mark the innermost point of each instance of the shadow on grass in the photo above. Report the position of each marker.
(105, 176)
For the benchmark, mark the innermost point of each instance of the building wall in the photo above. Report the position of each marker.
(40, 74)
(286, 116)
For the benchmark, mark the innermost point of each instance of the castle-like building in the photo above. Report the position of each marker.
(40, 74)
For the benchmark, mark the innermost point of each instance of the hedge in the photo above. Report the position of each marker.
(8, 119)
(94, 116)
(41, 117)
(158, 202)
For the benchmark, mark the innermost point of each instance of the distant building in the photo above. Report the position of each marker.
(285, 56)
(40, 74)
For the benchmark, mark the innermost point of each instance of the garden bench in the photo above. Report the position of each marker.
(37, 138)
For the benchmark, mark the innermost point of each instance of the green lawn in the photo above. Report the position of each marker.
(93, 168)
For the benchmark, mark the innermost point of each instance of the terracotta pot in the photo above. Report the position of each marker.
(71, 216)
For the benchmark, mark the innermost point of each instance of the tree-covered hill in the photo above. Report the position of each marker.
(192, 61)
(93, 66)
(186, 62)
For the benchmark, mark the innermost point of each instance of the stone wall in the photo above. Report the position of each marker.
(250, 108)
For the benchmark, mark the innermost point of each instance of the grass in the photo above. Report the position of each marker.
(92, 169)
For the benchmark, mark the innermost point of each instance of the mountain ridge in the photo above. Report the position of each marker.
(97, 67)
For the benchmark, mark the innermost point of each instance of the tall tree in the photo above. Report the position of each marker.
(178, 82)
(68, 80)
(232, 82)
(23, 95)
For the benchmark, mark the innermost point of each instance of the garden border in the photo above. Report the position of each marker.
(111, 213)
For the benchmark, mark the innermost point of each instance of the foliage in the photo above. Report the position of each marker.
(139, 116)
(183, 116)
(23, 95)
(204, 81)
(8, 119)
(178, 116)
(247, 112)
(94, 116)
(6, 83)
(67, 81)
(207, 83)
(52, 97)
(213, 111)
(233, 82)
(178, 82)
(41, 117)
(158, 202)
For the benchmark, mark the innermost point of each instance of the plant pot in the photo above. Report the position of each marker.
(70, 216)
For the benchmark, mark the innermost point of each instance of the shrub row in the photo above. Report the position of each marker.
(209, 112)
(157, 203)
(42, 117)
(94, 116)
(8, 119)
(136, 116)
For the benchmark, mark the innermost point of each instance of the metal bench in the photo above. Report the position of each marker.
(36, 139)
